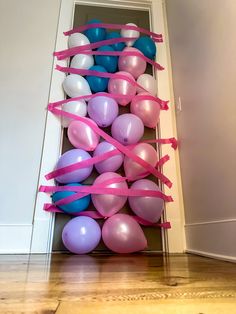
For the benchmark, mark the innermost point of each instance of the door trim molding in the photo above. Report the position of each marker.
(173, 239)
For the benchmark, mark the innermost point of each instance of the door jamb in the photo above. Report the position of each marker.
(43, 224)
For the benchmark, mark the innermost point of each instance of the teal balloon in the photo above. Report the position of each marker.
(146, 45)
(73, 207)
(95, 34)
(96, 83)
(117, 46)
(108, 62)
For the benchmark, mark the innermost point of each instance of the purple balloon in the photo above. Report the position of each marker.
(110, 164)
(81, 235)
(69, 158)
(127, 129)
(103, 110)
(146, 207)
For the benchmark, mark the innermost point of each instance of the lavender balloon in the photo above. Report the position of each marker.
(103, 110)
(70, 157)
(127, 129)
(146, 207)
(81, 235)
(109, 164)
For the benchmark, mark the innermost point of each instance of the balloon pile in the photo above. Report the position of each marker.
(110, 80)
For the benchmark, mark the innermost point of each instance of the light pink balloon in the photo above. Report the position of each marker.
(144, 151)
(146, 207)
(147, 110)
(122, 234)
(122, 87)
(109, 204)
(132, 64)
(82, 136)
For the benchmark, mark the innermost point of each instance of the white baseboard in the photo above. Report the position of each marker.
(215, 239)
(15, 239)
(211, 255)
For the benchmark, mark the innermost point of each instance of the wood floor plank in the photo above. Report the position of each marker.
(220, 306)
(37, 283)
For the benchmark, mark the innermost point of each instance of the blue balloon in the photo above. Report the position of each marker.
(108, 62)
(146, 45)
(96, 83)
(117, 46)
(73, 207)
(95, 34)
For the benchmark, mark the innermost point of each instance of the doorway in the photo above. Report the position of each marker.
(82, 14)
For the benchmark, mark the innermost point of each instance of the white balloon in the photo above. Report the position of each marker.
(148, 82)
(78, 108)
(75, 85)
(77, 39)
(129, 33)
(82, 61)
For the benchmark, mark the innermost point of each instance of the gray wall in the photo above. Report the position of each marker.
(203, 50)
(28, 33)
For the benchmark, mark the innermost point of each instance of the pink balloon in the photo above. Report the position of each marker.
(123, 87)
(147, 110)
(132, 64)
(144, 151)
(110, 164)
(82, 136)
(109, 204)
(127, 129)
(146, 207)
(122, 234)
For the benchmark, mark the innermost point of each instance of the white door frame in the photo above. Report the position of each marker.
(43, 225)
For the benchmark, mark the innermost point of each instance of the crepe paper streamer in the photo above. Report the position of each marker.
(118, 145)
(163, 103)
(96, 215)
(114, 53)
(77, 196)
(105, 190)
(80, 49)
(83, 72)
(82, 164)
(172, 141)
(156, 37)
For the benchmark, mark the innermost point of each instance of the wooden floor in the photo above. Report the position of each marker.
(129, 284)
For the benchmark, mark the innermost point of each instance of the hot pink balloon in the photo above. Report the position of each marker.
(146, 207)
(127, 129)
(82, 136)
(122, 87)
(122, 234)
(132, 64)
(147, 110)
(109, 204)
(110, 164)
(144, 151)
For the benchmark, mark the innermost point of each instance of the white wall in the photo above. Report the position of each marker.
(203, 50)
(28, 33)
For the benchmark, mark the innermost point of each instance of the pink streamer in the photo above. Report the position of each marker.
(76, 50)
(163, 103)
(121, 53)
(118, 145)
(156, 37)
(96, 215)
